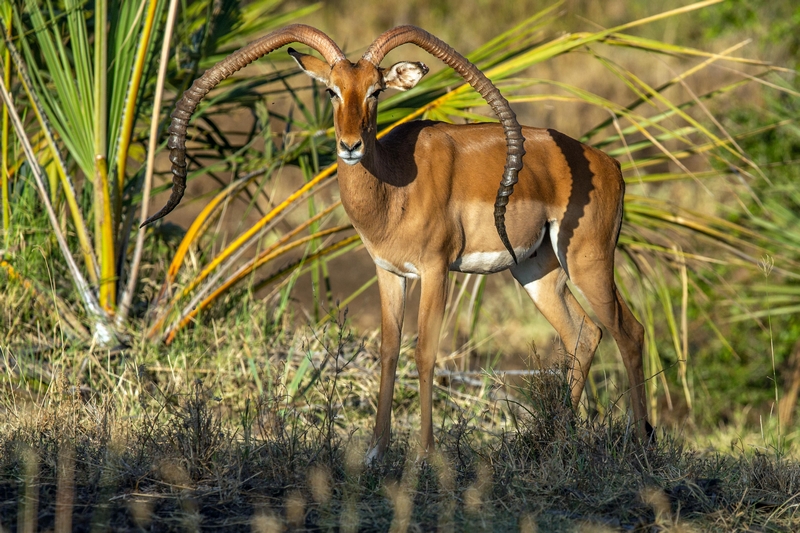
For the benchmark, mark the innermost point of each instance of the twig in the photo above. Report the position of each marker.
(127, 296)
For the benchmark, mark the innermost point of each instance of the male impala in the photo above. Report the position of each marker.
(423, 200)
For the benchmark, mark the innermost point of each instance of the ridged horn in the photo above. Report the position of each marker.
(295, 33)
(478, 80)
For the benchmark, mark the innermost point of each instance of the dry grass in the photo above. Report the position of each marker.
(124, 442)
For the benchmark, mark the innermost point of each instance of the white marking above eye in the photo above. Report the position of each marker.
(336, 90)
(372, 88)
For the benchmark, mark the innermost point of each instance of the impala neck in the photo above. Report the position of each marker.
(368, 192)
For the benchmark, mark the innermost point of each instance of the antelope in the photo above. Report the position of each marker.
(423, 201)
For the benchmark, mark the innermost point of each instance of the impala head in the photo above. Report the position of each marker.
(354, 90)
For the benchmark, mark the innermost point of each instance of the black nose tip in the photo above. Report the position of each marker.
(353, 148)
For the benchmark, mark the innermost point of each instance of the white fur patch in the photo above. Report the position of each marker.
(408, 270)
(483, 262)
(491, 262)
(413, 273)
(372, 455)
(533, 289)
(372, 88)
(554, 241)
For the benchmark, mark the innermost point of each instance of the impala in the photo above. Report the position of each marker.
(424, 201)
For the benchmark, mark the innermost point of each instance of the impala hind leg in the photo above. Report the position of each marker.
(392, 290)
(545, 282)
(596, 281)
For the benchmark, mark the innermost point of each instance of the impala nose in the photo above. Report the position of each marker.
(356, 146)
(351, 154)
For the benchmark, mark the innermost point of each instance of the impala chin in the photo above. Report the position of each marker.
(351, 159)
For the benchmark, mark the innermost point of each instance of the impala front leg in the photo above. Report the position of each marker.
(431, 313)
(393, 295)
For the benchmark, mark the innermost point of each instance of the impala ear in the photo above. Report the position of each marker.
(404, 75)
(316, 68)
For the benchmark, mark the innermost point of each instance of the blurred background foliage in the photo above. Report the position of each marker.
(709, 251)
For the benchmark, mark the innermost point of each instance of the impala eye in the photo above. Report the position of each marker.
(376, 93)
(331, 93)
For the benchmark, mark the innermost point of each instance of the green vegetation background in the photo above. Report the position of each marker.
(266, 359)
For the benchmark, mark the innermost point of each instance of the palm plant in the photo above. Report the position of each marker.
(84, 82)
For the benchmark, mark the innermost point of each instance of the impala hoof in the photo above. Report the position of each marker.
(374, 456)
(650, 432)
(423, 455)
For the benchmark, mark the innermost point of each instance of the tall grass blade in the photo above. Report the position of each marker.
(127, 65)
(5, 204)
(103, 217)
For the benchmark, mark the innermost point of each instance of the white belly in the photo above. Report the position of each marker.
(483, 262)
(471, 263)
(491, 262)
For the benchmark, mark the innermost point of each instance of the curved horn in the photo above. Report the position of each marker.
(295, 33)
(478, 80)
